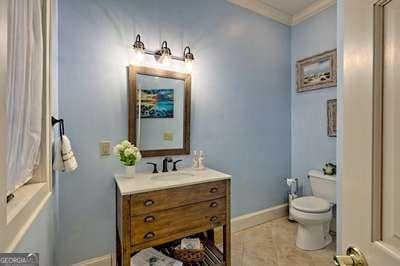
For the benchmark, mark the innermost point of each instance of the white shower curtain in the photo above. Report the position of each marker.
(25, 88)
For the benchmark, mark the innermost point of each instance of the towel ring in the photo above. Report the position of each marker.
(61, 126)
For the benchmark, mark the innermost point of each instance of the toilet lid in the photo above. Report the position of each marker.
(311, 204)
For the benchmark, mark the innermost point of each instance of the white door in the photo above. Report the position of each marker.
(369, 129)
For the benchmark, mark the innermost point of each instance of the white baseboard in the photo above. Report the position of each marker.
(249, 220)
(237, 224)
(106, 260)
(255, 218)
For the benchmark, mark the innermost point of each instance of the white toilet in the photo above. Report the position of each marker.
(314, 213)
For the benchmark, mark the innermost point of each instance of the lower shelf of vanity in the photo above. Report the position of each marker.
(213, 256)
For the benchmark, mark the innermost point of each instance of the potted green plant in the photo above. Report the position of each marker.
(128, 155)
(329, 169)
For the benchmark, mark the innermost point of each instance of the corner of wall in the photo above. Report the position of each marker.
(340, 20)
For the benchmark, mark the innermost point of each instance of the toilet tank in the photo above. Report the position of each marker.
(323, 186)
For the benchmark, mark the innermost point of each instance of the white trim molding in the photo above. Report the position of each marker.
(266, 10)
(256, 218)
(249, 220)
(106, 260)
(3, 117)
(312, 10)
(263, 9)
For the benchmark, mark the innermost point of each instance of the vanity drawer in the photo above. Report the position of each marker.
(178, 221)
(170, 198)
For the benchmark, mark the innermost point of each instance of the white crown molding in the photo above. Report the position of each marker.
(312, 10)
(264, 9)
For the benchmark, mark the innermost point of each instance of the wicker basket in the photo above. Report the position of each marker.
(189, 255)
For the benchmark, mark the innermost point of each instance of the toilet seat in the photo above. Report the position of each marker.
(311, 205)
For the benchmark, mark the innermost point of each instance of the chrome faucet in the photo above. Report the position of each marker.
(165, 164)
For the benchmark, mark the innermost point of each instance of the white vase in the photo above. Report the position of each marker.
(130, 171)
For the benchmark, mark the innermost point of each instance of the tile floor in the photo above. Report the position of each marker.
(273, 243)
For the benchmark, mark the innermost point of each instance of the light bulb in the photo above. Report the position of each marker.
(188, 56)
(138, 47)
(139, 55)
(164, 53)
(165, 60)
(188, 66)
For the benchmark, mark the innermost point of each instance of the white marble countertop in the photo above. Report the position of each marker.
(145, 182)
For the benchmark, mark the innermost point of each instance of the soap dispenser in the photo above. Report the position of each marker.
(195, 160)
(201, 161)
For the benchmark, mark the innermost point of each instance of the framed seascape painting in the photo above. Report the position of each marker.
(317, 72)
(332, 111)
(157, 103)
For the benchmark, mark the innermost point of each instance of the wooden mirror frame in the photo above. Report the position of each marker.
(133, 108)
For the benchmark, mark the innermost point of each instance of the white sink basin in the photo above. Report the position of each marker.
(176, 176)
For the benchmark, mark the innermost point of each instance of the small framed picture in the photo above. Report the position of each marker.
(317, 72)
(331, 111)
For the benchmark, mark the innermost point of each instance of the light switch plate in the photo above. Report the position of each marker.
(169, 136)
(105, 148)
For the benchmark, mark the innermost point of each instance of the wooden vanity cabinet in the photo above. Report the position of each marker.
(157, 217)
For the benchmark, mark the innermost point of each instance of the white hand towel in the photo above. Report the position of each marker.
(64, 157)
(58, 164)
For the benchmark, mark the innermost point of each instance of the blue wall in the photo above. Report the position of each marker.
(41, 236)
(240, 103)
(311, 146)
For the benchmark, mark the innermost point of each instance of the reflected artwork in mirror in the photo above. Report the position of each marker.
(159, 111)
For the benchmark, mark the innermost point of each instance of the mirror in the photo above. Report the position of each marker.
(159, 111)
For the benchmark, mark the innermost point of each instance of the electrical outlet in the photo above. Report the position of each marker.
(105, 148)
(168, 136)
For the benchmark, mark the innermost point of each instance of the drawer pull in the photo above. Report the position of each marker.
(213, 219)
(149, 235)
(213, 190)
(213, 204)
(148, 202)
(149, 219)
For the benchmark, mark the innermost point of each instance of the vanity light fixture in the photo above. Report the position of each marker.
(188, 56)
(138, 45)
(139, 48)
(164, 54)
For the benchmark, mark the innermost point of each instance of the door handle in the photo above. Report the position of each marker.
(353, 257)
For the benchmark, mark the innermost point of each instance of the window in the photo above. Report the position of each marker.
(25, 126)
